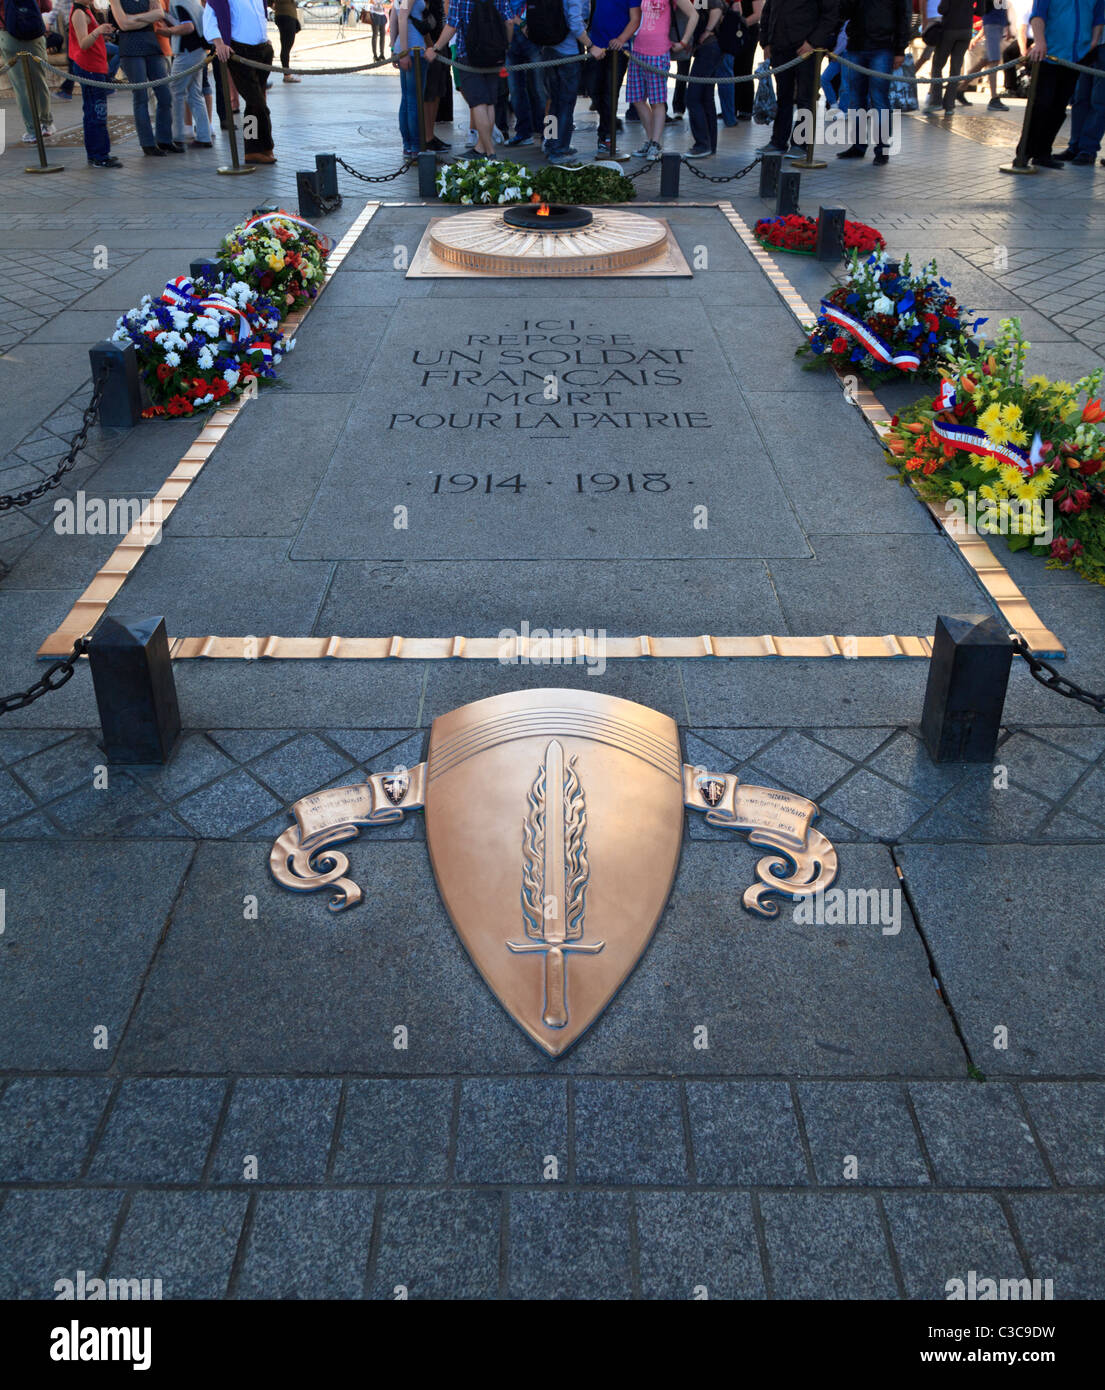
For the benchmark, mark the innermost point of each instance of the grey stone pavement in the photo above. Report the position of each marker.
(212, 1097)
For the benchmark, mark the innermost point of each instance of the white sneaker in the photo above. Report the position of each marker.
(28, 138)
(644, 151)
(49, 130)
(497, 136)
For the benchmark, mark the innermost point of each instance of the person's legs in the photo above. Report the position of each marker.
(134, 68)
(178, 91)
(9, 50)
(157, 67)
(725, 90)
(939, 58)
(97, 145)
(257, 122)
(878, 96)
(520, 94)
(1087, 112)
(701, 110)
(201, 124)
(958, 52)
(1053, 91)
(853, 98)
(744, 93)
(785, 88)
(112, 50)
(408, 116)
(679, 97)
(483, 122)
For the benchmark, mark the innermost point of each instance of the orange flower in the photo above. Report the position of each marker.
(913, 464)
(1092, 412)
(916, 429)
(968, 384)
(897, 446)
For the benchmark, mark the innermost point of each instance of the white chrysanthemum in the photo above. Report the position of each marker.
(173, 359)
(882, 305)
(230, 376)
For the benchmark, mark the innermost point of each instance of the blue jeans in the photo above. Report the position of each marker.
(726, 93)
(1087, 111)
(187, 90)
(148, 67)
(97, 144)
(861, 93)
(527, 89)
(563, 88)
(831, 82)
(408, 107)
(701, 109)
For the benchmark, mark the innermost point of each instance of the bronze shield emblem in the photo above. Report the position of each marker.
(554, 820)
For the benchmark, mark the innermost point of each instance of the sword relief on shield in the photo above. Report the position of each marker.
(554, 877)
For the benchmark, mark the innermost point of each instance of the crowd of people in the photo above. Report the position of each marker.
(532, 78)
(711, 40)
(163, 43)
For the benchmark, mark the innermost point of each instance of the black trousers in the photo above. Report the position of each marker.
(613, 61)
(679, 97)
(792, 88)
(1054, 89)
(251, 87)
(288, 27)
(744, 93)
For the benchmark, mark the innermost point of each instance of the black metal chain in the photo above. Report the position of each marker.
(32, 494)
(1053, 680)
(374, 178)
(645, 167)
(54, 677)
(719, 178)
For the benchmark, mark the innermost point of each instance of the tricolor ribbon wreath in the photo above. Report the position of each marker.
(289, 217)
(868, 338)
(239, 331)
(972, 440)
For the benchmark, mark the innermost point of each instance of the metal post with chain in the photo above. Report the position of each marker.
(32, 494)
(375, 178)
(719, 178)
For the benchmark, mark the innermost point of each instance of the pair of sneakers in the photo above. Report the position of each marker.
(651, 149)
(48, 131)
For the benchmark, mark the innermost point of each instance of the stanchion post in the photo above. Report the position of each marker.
(326, 167)
(807, 161)
(235, 166)
(830, 234)
(132, 675)
(203, 269)
(43, 166)
(965, 694)
(770, 168)
(1020, 163)
(786, 192)
(612, 59)
(306, 192)
(427, 174)
(669, 175)
(121, 401)
(416, 61)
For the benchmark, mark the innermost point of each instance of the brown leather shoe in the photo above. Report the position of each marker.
(268, 158)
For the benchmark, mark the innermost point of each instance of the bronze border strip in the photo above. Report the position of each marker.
(109, 579)
(988, 569)
(111, 576)
(526, 650)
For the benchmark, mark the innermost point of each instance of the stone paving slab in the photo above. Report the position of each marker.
(1020, 961)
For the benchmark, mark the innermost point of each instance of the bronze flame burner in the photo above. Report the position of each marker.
(558, 217)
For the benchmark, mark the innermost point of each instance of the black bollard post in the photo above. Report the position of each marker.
(326, 167)
(669, 175)
(121, 403)
(771, 166)
(204, 269)
(427, 174)
(786, 193)
(135, 693)
(965, 694)
(306, 192)
(807, 161)
(830, 234)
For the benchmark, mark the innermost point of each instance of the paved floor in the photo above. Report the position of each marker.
(200, 1074)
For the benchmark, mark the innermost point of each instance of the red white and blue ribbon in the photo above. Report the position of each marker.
(288, 217)
(868, 338)
(181, 294)
(975, 441)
